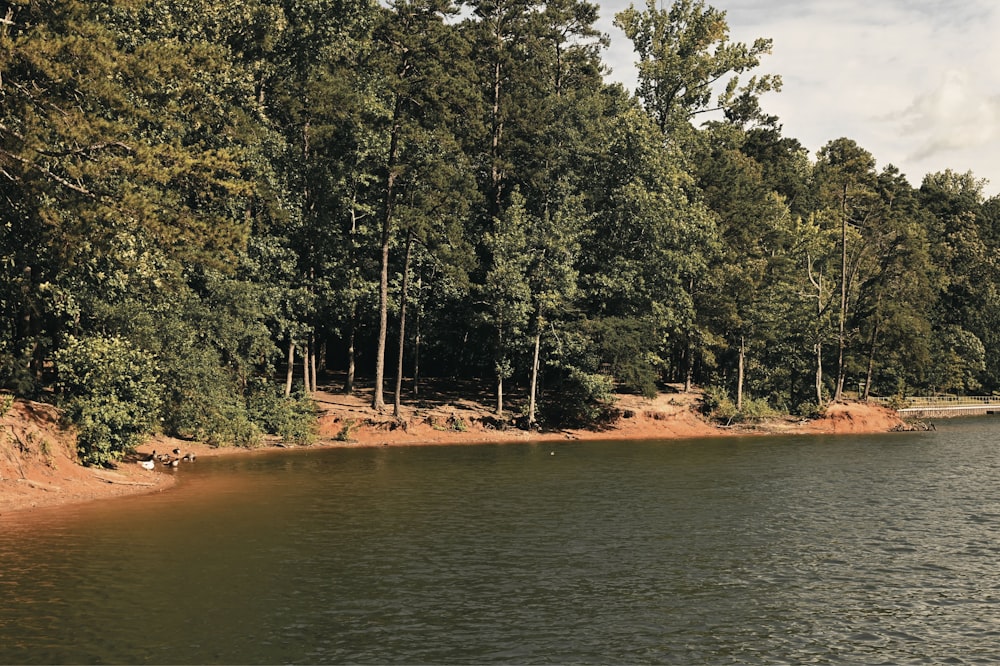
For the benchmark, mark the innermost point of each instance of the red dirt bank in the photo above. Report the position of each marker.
(38, 465)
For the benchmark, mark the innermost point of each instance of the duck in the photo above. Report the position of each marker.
(147, 464)
(188, 457)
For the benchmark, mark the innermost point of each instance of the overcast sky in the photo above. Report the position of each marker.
(914, 82)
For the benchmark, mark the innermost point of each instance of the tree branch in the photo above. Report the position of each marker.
(58, 179)
(87, 150)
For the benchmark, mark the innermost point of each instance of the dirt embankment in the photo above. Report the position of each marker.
(39, 467)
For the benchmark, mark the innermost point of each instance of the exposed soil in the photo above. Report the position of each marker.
(39, 467)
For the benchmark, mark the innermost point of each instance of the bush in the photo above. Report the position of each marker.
(627, 348)
(581, 399)
(719, 406)
(756, 408)
(110, 391)
(716, 404)
(292, 418)
(810, 410)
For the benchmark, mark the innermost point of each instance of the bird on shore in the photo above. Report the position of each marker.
(147, 464)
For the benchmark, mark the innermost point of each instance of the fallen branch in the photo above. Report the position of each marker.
(40, 485)
(126, 483)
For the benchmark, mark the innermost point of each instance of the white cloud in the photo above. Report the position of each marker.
(954, 115)
(912, 81)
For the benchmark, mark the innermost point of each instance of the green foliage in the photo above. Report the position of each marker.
(756, 409)
(344, 435)
(628, 348)
(898, 402)
(719, 406)
(293, 419)
(189, 186)
(959, 359)
(110, 392)
(682, 52)
(580, 399)
(6, 402)
(810, 410)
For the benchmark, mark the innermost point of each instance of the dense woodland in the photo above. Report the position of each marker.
(205, 205)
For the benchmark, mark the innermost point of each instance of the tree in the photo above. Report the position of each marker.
(752, 228)
(845, 175)
(423, 61)
(967, 303)
(506, 290)
(648, 240)
(553, 249)
(684, 53)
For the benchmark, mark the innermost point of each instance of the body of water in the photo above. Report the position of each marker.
(855, 549)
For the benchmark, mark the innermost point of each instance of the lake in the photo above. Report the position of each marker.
(854, 549)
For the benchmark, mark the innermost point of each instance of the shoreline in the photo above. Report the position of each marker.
(39, 468)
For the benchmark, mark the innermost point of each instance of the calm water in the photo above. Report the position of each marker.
(761, 550)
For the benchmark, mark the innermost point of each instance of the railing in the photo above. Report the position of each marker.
(932, 401)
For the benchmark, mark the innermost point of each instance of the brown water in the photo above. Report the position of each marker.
(758, 550)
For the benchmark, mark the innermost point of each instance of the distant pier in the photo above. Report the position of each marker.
(943, 406)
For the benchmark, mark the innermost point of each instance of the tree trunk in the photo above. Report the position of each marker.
(416, 343)
(818, 283)
(496, 122)
(378, 401)
(534, 373)
(819, 372)
(306, 362)
(289, 376)
(871, 356)
(396, 402)
(843, 296)
(499, 395)
(739, 376)
(314, 363)
(352, 331)
(689, 370)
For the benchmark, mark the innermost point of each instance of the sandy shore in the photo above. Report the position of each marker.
(38, 462)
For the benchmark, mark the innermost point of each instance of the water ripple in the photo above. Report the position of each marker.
(786, 550)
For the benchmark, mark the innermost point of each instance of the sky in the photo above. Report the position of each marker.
(914, 82)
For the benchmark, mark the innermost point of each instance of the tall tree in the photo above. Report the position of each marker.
(845, 175)
(422, 60)
(684, 53)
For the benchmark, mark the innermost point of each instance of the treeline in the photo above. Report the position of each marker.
(197, 195)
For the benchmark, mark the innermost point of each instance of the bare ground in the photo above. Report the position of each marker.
(39, 467)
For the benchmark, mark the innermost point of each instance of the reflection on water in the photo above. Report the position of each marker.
(757, 550)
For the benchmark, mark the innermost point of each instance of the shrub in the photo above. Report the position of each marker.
(110, 392)
(580, 399)
(345, 433)
(292, 418)
(717, 404)
(810, 410)
(756, 408)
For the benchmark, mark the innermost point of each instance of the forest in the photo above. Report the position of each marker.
(206, 206)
